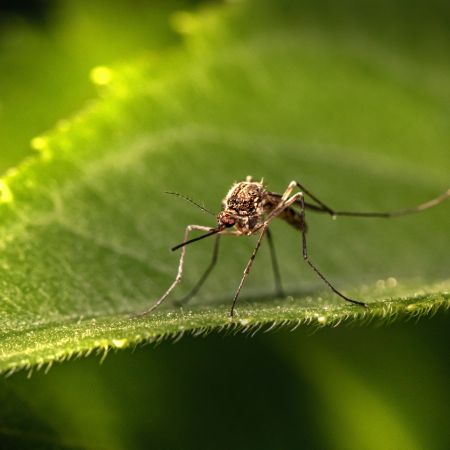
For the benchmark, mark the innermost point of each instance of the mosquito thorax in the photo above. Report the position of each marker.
(243, 206)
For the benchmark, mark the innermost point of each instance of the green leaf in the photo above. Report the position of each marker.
(86, 228)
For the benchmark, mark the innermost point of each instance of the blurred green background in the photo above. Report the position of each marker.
(342, 388)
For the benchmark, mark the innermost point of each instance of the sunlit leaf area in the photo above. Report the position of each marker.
(105, 106)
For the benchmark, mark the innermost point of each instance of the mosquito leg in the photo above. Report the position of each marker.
(284, 202)
(205, 275)
(288, 191)
(313, 197)
(247, 268)
(401, 212)
(275, 267)
(189, 228)
(306, 258)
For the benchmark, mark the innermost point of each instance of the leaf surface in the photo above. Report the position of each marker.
(86, 228)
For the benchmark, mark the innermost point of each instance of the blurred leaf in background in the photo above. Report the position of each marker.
(47, 54)
(343, 96)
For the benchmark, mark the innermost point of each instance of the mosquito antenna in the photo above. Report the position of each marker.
(190, 201)
(213, 231)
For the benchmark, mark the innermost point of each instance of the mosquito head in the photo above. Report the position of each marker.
(226, 220)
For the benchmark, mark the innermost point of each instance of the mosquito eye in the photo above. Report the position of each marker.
(229, 221)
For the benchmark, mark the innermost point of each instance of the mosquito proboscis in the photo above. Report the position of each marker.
(248, 209)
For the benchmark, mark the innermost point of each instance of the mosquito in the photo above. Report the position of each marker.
(248, 209)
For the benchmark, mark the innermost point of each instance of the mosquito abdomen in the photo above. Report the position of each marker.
(294, 218)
